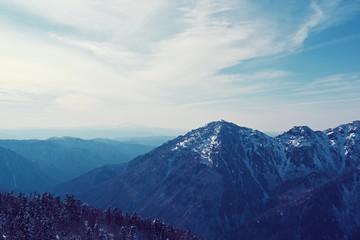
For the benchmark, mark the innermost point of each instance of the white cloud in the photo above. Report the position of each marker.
(130, 59)
(335, 86)
(315, 19)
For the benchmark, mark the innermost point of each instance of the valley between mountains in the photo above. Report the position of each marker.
(223, 181)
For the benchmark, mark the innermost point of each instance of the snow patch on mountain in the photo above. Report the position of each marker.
(205, 146)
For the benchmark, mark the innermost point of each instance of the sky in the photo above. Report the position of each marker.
(268, 65)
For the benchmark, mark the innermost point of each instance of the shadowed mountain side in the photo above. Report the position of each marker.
(20, 174)
(331, 211)
(89, 180)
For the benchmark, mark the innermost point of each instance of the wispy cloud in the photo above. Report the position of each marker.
(332, 86)
(314, 20)
(127, 58)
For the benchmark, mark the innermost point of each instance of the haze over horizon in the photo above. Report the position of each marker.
(260, 64)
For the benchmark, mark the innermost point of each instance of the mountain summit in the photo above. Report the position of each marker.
(215, 174)
(216, 178)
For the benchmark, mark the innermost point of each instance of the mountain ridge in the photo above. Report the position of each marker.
(213, 179)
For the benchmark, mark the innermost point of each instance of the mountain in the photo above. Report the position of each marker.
(20, 174)
(215, 179)
(46, 217)
(192, 180)
(328, 151)
(66, 158)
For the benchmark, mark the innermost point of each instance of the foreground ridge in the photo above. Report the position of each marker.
(47, 217)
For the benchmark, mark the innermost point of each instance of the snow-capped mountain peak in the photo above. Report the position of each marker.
(215, 178)
(202, 141)
(207, 141)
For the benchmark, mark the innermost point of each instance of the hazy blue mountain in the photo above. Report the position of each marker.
(20, 174)
(3, 190)
(66, 158)
(112, 132)
(150, 141)
(214, 180)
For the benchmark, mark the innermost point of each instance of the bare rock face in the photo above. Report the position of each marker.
(217, 179)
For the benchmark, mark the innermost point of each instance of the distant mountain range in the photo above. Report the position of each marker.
(123, 132)
(223, 181)
(37, 164)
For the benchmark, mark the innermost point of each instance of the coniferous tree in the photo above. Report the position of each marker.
(46, 217)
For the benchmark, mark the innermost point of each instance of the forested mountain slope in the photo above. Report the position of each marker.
(44, 216)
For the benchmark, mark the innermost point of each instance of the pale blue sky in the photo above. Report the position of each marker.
(263, 64)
